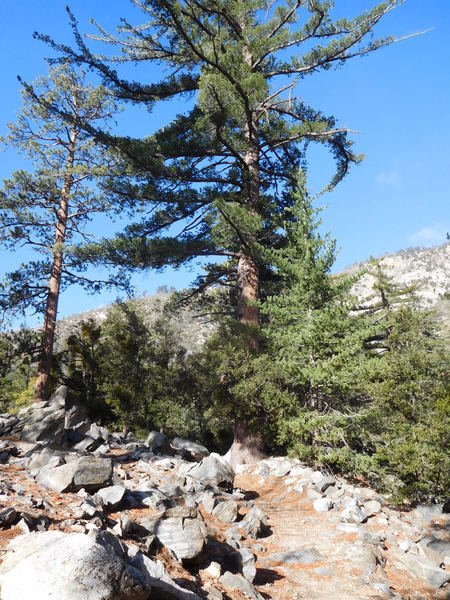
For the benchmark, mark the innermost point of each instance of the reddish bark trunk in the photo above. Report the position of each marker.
(51, 309)
(248, 445)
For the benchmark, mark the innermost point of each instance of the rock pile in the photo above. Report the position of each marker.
(119, 518)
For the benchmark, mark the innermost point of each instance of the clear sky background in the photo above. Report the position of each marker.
(397, 98)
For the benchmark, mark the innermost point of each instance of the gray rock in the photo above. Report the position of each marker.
(91, 473)
(53, 564)
(163, 587)
(233, 537)
(214, 570)
(313, 494)
(323, 571)
(87, 510)
(372, 507)
(304, 557)
(213, 471)
(98, 433)
(102, 450)
(40, 458)
(158, 442)
(238, 582)
(381, 586)
(435, 576)
(254, 523)
(196, 451)
(152, 497)
(324, 483)
(87, 443)
(226, 511)
(111, 496)
(335, 493)
(283, 469)
(59, 479)
(76, 417)
(429, 512)
(365, 556)
(353, 514)
(59, 397)
(434, 548)
(263, 469)
(425, 570)
(212, 592)
(247, 564)
(322, 505)
(88, 472)
(186, 537)
(45, 426)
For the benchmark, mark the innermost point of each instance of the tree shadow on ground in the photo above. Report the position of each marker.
(264, 576)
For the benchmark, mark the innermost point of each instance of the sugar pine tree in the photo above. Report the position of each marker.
(48, 208)
(216, 177)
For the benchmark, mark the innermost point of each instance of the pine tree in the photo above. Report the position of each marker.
(217, 176)
(48, 208)
(216, 168)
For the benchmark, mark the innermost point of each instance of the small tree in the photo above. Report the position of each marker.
(48, 208)
(17, 351)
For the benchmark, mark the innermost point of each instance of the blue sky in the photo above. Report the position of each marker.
(398, 99)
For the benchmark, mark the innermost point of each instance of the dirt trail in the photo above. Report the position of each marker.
(341, 570)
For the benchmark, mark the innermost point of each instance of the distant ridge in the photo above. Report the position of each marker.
(428, 269)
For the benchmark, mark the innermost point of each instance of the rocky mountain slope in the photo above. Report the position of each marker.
(428, 269)
(86, 514)
(193, 330)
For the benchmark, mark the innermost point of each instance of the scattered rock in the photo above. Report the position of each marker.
(192, 449)
(426, 570)
(88, 472)
(226, 511)
(324, 483)
(353, 514)
(54, 564)
(213, 471)
(158, 442)
(247, 560)
(111, 496)
(186, 537)
(238, 582)
(371, 508)
(323, 505)
(365, 556)
(163, 587)
(283, 469)
(207, 500)
(254, 523)
(213, 570)
(87, 443)
(8, 516)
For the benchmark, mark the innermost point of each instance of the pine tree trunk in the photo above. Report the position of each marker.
(247, 447)
(51, 309)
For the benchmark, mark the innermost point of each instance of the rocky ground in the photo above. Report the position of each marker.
(86, 514)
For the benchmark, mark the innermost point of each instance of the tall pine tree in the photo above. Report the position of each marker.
(48, 208)
(217, 176)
